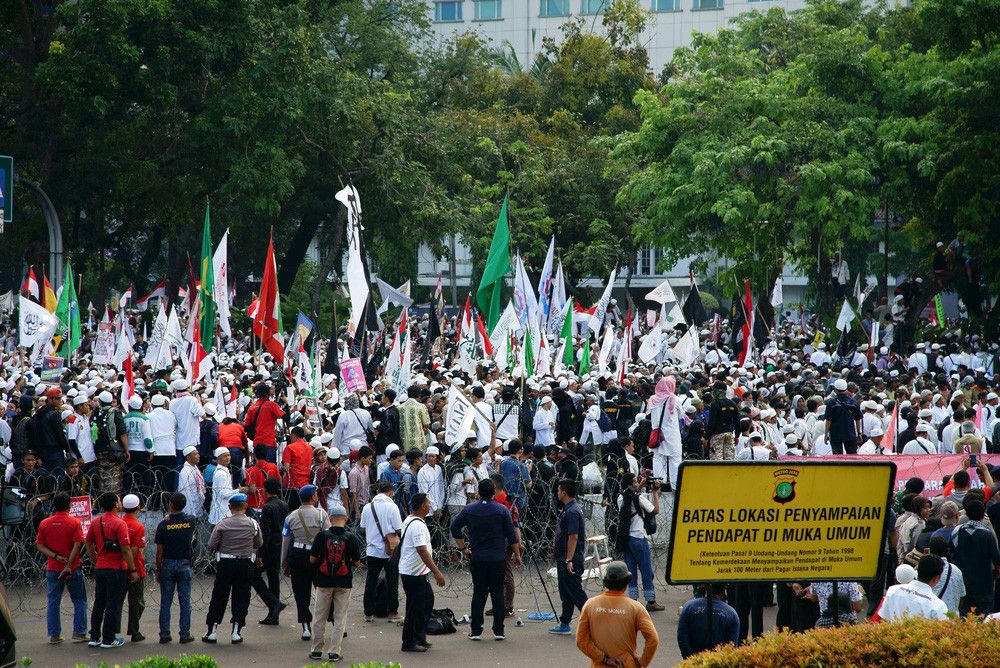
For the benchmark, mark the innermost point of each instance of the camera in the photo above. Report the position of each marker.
(653, 484)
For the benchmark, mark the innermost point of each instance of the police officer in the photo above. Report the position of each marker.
(302, 525)
(272, 521)
(236, 539)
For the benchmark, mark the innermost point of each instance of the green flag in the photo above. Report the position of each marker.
(68, 314)
(529, 355)
(585, 360)
(497, 266)
(939, 310)
(567, 335)
(206, 314)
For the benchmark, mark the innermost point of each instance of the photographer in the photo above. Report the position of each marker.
(637, 519)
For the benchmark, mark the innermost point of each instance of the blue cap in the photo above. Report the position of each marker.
(307, 491)
(238, 498)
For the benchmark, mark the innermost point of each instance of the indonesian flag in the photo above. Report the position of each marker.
(267, 316)
(579, 308)
(978, 420)
(891, 429)
(625, 352)
(748, 317)
(465, 319)
(199, 363)
(159, 292)
(128, 387)
(544, 364)
(31, 285)
(484, 337)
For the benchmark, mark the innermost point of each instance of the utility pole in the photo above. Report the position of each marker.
(54, 228)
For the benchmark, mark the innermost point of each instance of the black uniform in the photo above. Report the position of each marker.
(272, 519)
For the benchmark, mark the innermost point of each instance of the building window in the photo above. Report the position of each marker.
(488, 9)
(708, 4)
(645, 262)
(555, 7)
(448, 11)
(592, 6)
(665, 5)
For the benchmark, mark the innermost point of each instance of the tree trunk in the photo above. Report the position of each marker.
(295, 254)
(330, 262)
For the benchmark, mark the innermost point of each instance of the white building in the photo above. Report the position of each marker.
(524, 23)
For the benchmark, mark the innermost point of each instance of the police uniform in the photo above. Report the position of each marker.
(302, 525)
(236, 539)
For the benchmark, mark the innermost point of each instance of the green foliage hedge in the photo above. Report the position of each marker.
(183, 661)
(913, 642)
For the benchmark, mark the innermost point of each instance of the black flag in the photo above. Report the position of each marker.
(694, 310)
(331, 363)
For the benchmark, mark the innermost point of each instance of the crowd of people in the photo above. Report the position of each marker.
(276, 482)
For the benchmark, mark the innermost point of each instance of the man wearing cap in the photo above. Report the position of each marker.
(79, 435)
(191, 482)
(918, 360)
(430, 480)
(135, 588)
(757, 449)
(843, 420)
(222, 487)
(236, 539)
(920, 445)
(296, 463)
(111, 444)
(302, 525)
(611, 623)
(48, 438)
(163, 428)
(187, 411)
(334, 555)
(140, 447)
(107, 545)
(331, 482)
(873, 446)
(414, 421)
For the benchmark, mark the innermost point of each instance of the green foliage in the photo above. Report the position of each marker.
(182, 661)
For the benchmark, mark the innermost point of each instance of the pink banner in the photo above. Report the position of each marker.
(930, 468)
(80, 509)
(354, 376)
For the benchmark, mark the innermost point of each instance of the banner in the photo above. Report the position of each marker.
(461, 414)
(52, 368)
(353, 375)
(104, 345)
(779, 521)
(81, 509)
(929, 468)
(939, 311)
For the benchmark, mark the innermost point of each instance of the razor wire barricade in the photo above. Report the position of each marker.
(27, 500)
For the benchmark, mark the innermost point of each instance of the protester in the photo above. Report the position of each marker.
(108, 547)
(334, 555)
(136, 588)
(610, 623)
(381, 524)
(916, 599)
(415, 562)
(60, 540)
(568, 553)
(692, 625)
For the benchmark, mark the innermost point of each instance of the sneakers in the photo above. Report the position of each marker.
(414, 648)
(395, 618)
(236, 638)
(500, 637)
(561, 630)
(138, 637)
(653, 606)
(307, 631)
(210, 637)
(475, 636)
(186, 639)
(424, 643)
(315, 656)
(93, 642)
(117, 642)
(166, 639)
(80, 637)
(55, 640)
(334, 657)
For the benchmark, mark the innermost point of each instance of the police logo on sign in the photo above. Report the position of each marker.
(784, 485)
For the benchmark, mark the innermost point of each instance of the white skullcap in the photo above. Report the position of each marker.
(188, 450)
(135, 403)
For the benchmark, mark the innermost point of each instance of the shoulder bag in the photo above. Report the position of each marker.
(391, 540)
(394, 557)
(251, 429)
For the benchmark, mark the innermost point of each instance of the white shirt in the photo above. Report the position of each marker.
(956, 586)
(755, 453)
(79, 429)
(456, 489)
(919, 446)
(163, 426)
(484, 430)
(188, 485)
(222, 491)
(188, 412)
(819, 358)
(415, 535)
(430, 481)
(917, 360)
(543, 424)
(633, 464)
(388, 516)
(916, 599)
(870, 448)
(635, 527)
(351, 430)
(868, 422)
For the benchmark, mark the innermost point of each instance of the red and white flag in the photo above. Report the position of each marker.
(126, 297)
(31, 285)
(159, 292)
(267, 316)
(748, 323)
(891, 430)
(484, 337)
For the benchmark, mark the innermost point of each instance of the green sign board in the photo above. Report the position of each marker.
(6, 189)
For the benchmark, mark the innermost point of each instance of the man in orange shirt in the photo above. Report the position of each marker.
(137, 539)
(60, 539)
(296, 465)
(107, 543)
(610, 623)
(260, 420)
(232, 436)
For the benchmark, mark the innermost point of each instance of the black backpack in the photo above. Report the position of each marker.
(20, 440)
(442, 622)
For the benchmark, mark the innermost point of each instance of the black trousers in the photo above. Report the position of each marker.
(298, 566)
(376, 566)
(844, 447)
(136, 475)
(487, 578)
(270, 593)
(232, 576)
(570, 589)
(749, 599)
(419, 603)
(109, 595)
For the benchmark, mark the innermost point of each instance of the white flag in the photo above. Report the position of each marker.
(670, 320)
(662, 293)
(545, 281)
(35, 323)
(651, 345)
(846, 317)
(595, 321)
(220, 290)
(155, 340)
(606, 345)
(123, 349)
(688, 348)
(357, 283)
(500, 337)
(557, 303)
(460, 415)
(399, 296)
(777, 298)
(525, 303)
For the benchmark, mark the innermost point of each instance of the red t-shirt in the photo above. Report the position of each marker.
(263, 425)
(137, 538)
(113, 528)
(299, 456)
(256, 475)
(231, 435)
(58, 533)
(949, 488)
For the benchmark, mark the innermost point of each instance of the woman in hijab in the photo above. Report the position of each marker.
(665, 417)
